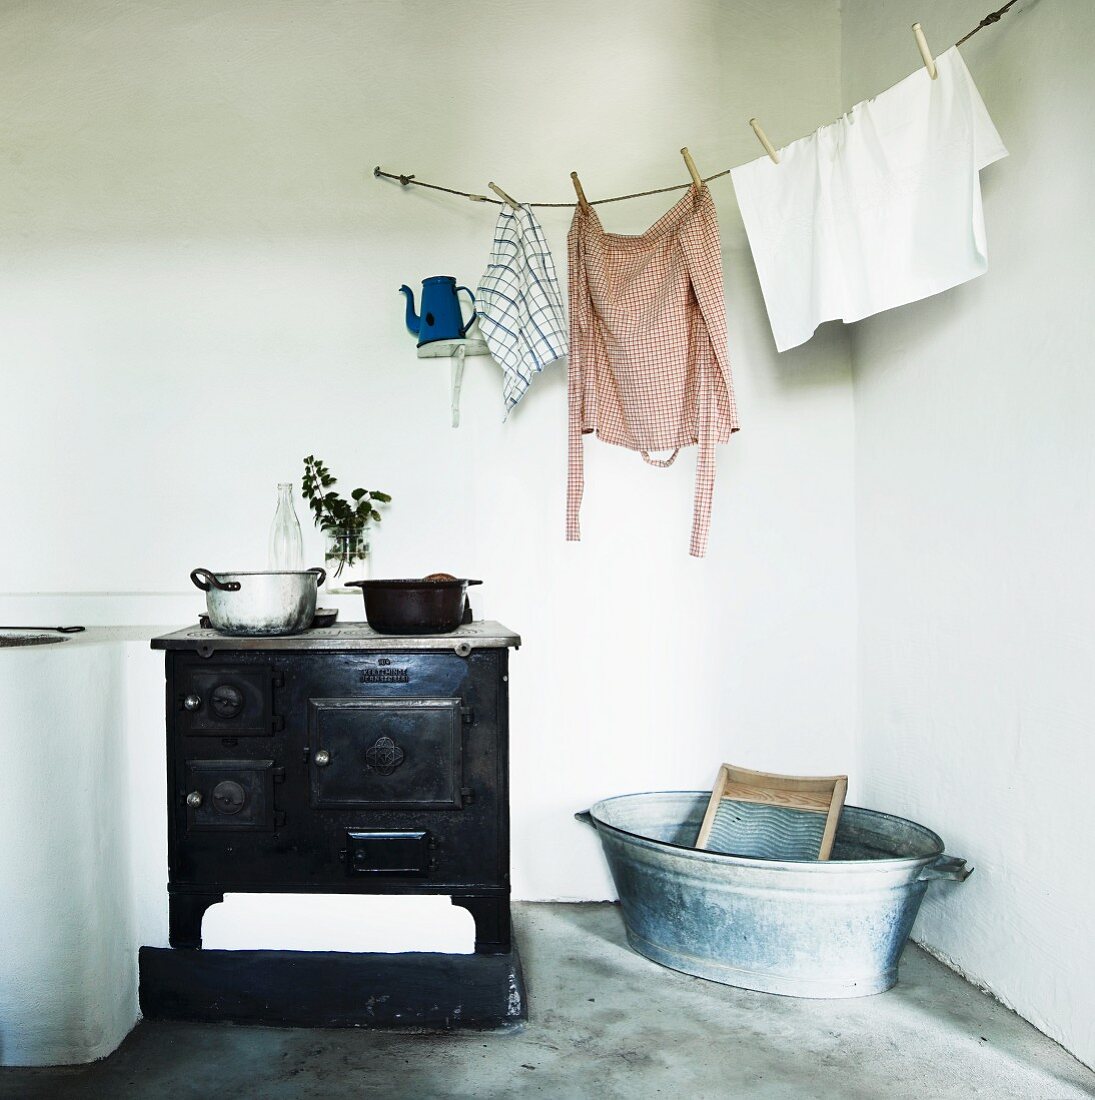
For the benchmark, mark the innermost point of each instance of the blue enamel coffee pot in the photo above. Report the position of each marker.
(441, 318)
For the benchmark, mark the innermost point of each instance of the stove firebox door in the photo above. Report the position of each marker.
(385, 753)
(225, 700)
(229, 794)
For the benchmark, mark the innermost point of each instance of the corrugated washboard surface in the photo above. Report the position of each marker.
(765, 832)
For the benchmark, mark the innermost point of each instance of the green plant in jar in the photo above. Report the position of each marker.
(343, 521)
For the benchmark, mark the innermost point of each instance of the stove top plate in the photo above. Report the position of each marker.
(485, 634)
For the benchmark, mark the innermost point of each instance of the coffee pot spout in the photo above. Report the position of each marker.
(414, 323)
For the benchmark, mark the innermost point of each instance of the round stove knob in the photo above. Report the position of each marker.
(194, 799)
(322, 758)
(192, 702)
(226, 701)
(228, 797)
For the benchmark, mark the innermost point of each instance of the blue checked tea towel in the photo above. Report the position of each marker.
(519, 304)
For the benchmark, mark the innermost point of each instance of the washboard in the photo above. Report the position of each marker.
(772, 816)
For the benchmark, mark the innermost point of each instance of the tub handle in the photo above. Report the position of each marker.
(946, 867)
(586, 817)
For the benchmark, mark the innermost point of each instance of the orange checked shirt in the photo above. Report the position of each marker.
(648, 364)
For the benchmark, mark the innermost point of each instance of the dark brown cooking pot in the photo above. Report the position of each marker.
(432, 605)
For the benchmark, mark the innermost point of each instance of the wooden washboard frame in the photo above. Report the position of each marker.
(822, 794)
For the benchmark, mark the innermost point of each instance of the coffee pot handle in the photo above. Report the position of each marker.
(471, 319)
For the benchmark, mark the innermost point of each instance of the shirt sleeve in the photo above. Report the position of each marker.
(579, 326)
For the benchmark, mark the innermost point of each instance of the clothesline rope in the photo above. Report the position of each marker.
(992, 17)
(498, 202)
(405, 180)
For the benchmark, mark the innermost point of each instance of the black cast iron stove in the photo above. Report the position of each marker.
(338, 761)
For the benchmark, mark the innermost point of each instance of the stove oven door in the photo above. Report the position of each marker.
(385, 753)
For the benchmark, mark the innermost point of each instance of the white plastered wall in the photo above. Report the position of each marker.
(198, 286)
(975, 469)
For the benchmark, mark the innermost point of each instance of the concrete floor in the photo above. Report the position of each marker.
(607, 1024)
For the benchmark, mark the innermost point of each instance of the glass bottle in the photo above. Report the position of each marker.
(286, 541)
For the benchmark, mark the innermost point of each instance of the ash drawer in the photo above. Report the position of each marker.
(405, 854)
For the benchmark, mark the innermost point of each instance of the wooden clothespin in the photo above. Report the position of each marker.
(691, 164)
(502, 195)
(582, 201)
(762, 137)
(925, 53)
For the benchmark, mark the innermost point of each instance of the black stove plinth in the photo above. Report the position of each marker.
(338, 761)
(333, 988)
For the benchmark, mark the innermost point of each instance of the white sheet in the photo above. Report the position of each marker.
(881, 208)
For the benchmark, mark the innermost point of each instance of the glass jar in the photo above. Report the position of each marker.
(346, 557)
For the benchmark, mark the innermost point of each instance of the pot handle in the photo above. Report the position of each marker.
(586, 818)
(321, 575)
(946, 866)
(205, 580)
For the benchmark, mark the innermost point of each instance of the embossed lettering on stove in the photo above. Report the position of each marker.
(385, 676)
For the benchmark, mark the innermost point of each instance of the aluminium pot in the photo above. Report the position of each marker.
(436, 604)
(809, 928)
(260, 603)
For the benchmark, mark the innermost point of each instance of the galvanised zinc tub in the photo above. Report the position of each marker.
(830, 928)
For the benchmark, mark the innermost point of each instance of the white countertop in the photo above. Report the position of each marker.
(93, 635)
